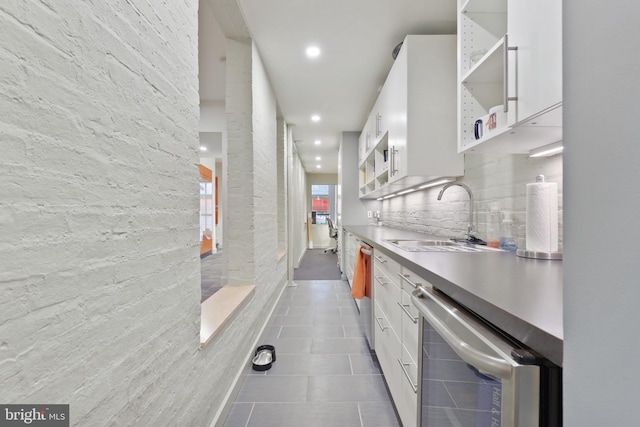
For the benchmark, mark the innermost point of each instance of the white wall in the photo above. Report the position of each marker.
(212, 116)
(299, 208)
(100, 281)
(100, 277)
(602, 211)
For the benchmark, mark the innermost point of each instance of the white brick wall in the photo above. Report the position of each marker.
(99, 250)
(492, 179)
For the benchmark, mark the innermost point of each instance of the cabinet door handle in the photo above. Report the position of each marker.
(392, 154)
(380, 259)
(406, 374)
(407, 312)
(382, 283)
(382, 328)
(405, 277)
(505, 62)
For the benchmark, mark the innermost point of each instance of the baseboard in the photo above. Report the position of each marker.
(301, 256)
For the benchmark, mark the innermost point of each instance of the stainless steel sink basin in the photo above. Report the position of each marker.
(437, 246)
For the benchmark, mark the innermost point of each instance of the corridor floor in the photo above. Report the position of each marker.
(324, 374)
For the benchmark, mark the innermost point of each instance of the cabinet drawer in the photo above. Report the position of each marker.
(407, 403)
(410, 325)
(387, 265)
(387, 298)
(409, 280)
(387, 344)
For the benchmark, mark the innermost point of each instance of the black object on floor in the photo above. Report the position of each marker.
(264, 357)
(317, 265)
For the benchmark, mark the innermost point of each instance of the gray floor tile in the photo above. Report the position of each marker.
(344, 303)
(378, 414)
(364, 364)
(291, 345)
(281, 310)
(305, 415)
(292, 320)
(353, 331)
(352, 309)
(271, 333)
(324, 374)
(311, 364)
(239, 415)
(340, 346)
(329, 300)
(265, 388)
(329, 319)
(347, 388)
(313, 310)
(314, 331)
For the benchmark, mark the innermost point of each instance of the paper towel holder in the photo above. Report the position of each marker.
(539, 255)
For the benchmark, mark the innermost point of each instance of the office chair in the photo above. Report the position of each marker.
(333, 234)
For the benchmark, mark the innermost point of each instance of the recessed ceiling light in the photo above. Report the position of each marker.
(317, 142)
(315, 118)
(318, 158)
(203, 148)
(318, 166)
(313, 51)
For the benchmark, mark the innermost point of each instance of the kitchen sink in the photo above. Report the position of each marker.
(438, 246)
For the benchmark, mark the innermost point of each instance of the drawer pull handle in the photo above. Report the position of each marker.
(380, 259)
(382, 282)
(404, 308)
(406, 374)
(380, 324)
(405, 277)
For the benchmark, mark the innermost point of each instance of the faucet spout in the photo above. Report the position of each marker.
(470, 227)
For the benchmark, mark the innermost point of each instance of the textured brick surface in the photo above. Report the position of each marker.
(99, 261)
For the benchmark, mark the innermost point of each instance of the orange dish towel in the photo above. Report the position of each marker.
(361, 286)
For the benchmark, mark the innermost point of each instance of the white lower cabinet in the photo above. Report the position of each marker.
(396, 336)
(388, 350)
(407, 404)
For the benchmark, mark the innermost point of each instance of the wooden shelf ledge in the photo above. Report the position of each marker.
(218, 309)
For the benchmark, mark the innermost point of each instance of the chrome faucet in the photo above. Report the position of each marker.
(470, 228)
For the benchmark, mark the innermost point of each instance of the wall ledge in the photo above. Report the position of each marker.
(220, 307)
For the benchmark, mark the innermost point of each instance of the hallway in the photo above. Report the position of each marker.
(324, 374)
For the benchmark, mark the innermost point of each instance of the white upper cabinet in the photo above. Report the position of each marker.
(535, 30)
(510, 75)
(414, 120)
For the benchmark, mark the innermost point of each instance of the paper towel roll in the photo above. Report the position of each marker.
(542, 217)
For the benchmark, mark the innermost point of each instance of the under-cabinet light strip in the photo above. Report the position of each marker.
(547, 150)
(422, 187)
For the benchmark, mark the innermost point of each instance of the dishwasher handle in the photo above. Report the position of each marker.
(485, 363)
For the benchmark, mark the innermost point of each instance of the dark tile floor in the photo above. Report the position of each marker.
(324, 373)
(213, 273)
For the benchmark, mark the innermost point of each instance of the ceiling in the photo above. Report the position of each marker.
(356, 38)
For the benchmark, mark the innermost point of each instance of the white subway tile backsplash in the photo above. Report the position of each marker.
(499, 180)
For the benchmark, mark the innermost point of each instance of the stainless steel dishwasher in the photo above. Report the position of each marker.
(475, 376)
